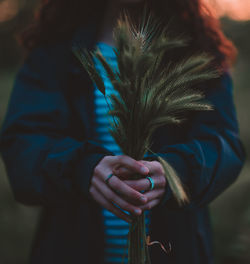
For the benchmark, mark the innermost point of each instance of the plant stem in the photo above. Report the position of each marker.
(138, 249)
(116, 125)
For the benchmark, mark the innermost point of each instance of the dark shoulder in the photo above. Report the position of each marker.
(54, 56)
(58, 55)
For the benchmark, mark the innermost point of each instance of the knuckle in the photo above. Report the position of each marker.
(162, 172)
(114, 183)
(127, 160)
(136, 165)
(107, 158)
(162, 182)
(91, 190)
(120, 158)
(155, 163)
(104, 159)
(159, 168)
(97, 170)
(93, 181)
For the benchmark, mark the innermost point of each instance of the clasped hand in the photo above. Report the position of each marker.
(124, 192)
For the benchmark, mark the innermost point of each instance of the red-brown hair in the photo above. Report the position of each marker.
(58, 19)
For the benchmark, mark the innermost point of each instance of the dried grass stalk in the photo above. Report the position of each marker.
(149, 96)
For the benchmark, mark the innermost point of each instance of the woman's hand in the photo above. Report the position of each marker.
(117, 192)
(156, 172)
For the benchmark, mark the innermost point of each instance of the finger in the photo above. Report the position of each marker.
(126, 192)
(154, 167)
(154, 194)
(131, 164)
(150, 204)
(99, 198)
(123, 173)
(111, 196)
(144, 184)
(138, 185)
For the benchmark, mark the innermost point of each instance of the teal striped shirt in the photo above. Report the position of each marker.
(115, 229)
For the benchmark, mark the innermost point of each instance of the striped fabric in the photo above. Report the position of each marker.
(116, 230)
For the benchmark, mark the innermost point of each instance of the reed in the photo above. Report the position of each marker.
(148, 97)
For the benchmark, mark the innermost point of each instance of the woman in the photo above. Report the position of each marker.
(54, 157)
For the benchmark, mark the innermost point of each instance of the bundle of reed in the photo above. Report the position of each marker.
(148, 97)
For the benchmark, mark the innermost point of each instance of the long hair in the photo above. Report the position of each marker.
(58, 19)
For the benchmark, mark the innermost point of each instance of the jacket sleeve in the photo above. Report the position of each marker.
(212, 156)
(45, 163)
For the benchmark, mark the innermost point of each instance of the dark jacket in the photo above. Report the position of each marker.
(46, 144)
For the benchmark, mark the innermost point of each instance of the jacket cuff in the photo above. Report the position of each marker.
(69, 168)
(85, 168)
(84, 172)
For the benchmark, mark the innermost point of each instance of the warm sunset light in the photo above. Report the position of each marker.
(8, 9)
(235, 9)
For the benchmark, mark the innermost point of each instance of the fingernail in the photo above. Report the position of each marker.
(137, 211)
(144, 170)
(143, 199)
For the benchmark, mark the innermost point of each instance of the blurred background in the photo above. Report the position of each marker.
(230, 212)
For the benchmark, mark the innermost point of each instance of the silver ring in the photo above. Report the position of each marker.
(152, 183)
(107, 180)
